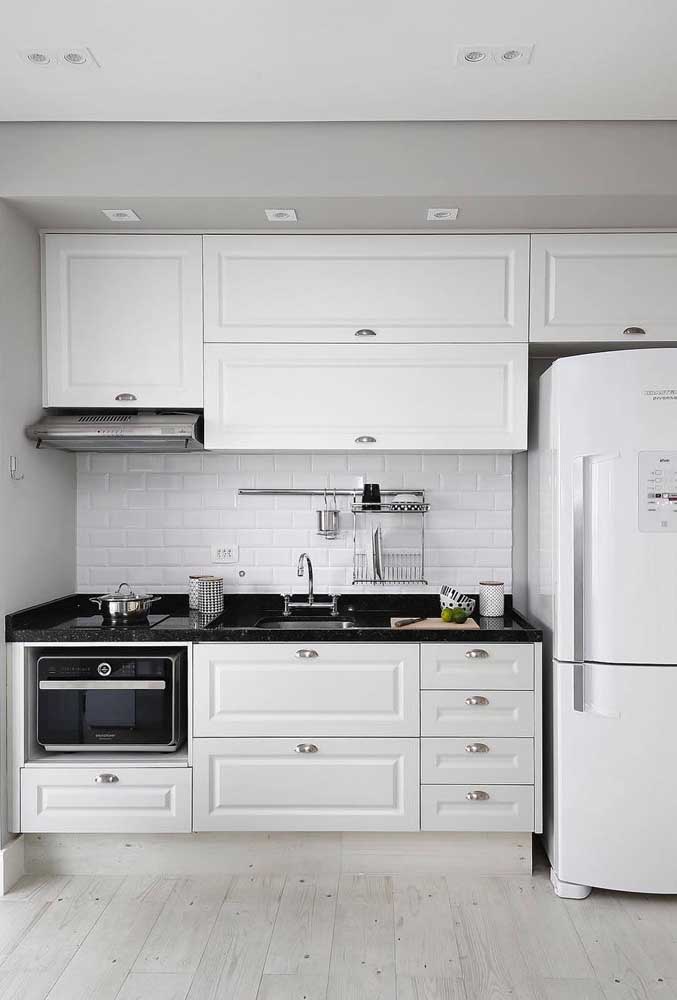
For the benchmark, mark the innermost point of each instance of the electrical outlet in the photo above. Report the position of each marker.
(224, 553)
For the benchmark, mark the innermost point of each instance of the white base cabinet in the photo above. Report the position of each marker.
(306, 783)
(486, 808)
(367, 396)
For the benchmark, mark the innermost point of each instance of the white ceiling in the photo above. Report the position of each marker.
(339, 60)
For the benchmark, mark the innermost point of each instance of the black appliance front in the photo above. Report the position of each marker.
(109, 700)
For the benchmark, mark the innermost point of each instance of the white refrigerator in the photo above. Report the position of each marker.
(603, 584)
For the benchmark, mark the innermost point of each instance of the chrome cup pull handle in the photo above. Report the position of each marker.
(365, 439)
(634, 331)
(306, 748)
(477, 654)
(365, 333)
(106, 779)
(477, 699)
(476, 748)
(306, 654)
(477, 796)
(125, 397)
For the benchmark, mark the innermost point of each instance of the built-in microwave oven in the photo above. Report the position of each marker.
(96, 699)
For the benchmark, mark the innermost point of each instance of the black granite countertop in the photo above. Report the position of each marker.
(171, 621)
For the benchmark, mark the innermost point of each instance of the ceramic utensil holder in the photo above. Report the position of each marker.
(492, 599)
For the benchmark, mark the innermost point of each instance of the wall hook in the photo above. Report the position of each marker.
(13, 471)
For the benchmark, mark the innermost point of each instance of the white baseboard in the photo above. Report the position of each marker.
(454, 854)
(11, 864)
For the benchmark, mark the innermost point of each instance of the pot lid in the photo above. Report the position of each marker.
(119, 595)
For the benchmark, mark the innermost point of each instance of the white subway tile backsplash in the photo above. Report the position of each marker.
(152, 519)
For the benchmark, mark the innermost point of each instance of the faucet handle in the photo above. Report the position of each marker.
(334, 604)
(287, 601)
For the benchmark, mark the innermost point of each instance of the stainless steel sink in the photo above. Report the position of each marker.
(287, 624)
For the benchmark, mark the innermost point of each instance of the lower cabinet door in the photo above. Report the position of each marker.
(306, 784)
(454, 761)
(491, 808)
(105, 800)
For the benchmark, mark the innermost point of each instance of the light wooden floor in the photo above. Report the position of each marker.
(326, 938)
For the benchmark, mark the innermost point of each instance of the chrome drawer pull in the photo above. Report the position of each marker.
(365, 333)
(477, 654)
(106, 779)
(125, 397)
(477, 748)
(365, 439)
(477, 699)
(306, 654)
(306, 748)
(477, 796)
(634, 331)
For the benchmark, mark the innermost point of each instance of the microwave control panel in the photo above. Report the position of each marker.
(658, 491)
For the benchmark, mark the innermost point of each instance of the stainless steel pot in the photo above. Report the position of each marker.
(124, 607)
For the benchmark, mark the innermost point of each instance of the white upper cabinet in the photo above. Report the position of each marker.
(123, 321)
(610, 288)
(366, 396)
(392, 289)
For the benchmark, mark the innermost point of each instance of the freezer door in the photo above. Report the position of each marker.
(615, 507)
(613, 810)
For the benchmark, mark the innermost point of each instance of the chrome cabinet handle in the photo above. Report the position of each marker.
(477, 699)
(365, 439)
(306, 654)
(634, 331)
(125, 397)
(477, 654)
(306, 748)
(365, 333)
(477, 796)
(476, 748)
(106, 779)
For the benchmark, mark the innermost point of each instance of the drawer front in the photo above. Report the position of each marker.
(476, 714)
(329, 689)
(266, 784)
(499, 762)
(492, 808)
(71, 800)
(498, 666)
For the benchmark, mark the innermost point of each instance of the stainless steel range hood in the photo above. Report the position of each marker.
(119, 432)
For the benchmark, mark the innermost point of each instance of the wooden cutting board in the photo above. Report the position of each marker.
(432, 623)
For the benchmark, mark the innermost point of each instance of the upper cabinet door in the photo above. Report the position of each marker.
(393, 289)
(609, 288)
(123, 321)
(436, 397)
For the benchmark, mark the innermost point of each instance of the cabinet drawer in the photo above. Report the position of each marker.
(71, 800)
(477, 713)
(267, 784)
(499, 666)
(447, 807)
(499, 762)
(329, 689)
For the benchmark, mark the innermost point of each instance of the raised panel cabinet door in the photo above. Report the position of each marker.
(476, 713)
(123, 321)
(499, 666)
(323, 289)
(454, 761)
(330, 689)
(379, 397)
(490, 808)
(610, 288)
(105, 799)
(306, 782)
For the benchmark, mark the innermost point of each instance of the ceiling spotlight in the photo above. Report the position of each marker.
(281, 215)
(74, 58)
(510, 55)
(475, 56)
(121, 214)
(442, 214)
(37, 57)
(513, 55)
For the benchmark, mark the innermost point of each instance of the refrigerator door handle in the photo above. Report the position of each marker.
(580, 463)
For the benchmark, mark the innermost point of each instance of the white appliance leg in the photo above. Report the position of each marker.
(569, 890)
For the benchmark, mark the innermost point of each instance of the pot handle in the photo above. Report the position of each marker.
(129, 590)
(97, 601)
(154, 599)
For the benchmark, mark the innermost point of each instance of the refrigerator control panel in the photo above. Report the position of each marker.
(658, 491)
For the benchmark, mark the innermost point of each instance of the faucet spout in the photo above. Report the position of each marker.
(304, 557)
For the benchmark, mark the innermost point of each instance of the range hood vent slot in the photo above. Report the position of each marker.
(106, 418)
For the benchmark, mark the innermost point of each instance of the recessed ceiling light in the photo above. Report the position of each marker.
(281, 215)
(442, 214)
(491, 55)
(474, 56)
(37, 57)
(121, 214)
(513, 55)
(80, 57)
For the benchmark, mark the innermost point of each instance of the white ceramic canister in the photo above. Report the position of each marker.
(210, 595)
(492, 599)
(194, 592)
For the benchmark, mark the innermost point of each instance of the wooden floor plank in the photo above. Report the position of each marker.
(178, 939)
(302, 937)
(568, 989)
(654, 920)
(425, 940)
(293, 987)
(155, 986)
(232, 964)
(363, 951)
(429, 988)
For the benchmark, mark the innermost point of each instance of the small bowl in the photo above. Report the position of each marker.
(455, 599)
